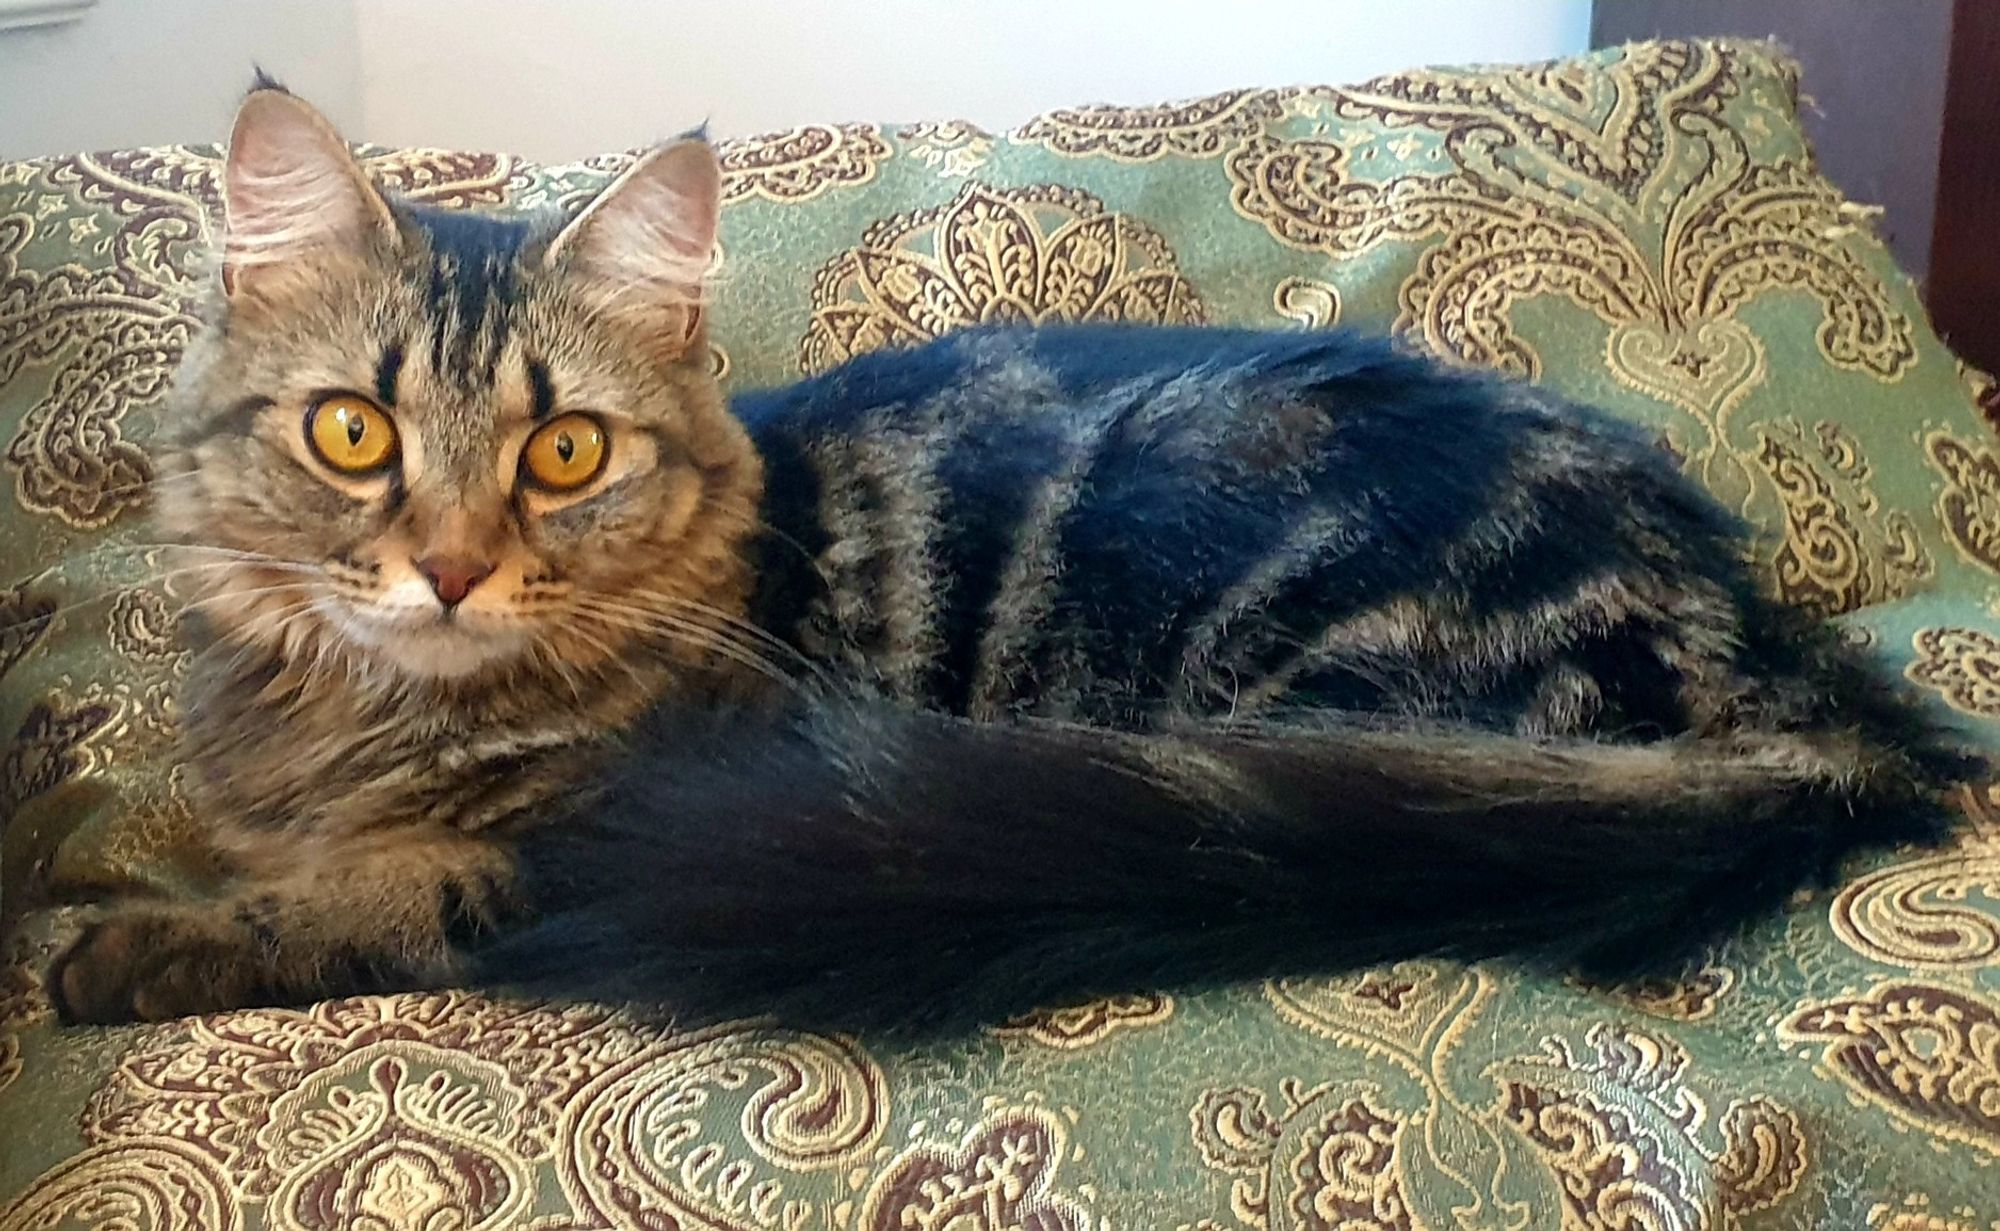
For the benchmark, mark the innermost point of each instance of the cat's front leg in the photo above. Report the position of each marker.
(151, 962)
(384, 915)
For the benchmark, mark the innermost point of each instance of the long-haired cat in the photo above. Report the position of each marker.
(1024, 665)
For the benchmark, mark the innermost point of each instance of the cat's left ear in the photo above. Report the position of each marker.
(291, 193)
(648, 238)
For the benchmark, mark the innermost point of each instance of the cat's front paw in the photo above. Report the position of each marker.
(154, 963)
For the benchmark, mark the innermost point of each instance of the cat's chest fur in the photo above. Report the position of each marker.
(277, 754)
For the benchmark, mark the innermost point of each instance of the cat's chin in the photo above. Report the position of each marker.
(432, 647)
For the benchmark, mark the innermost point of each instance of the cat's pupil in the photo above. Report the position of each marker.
(357, 427)
(565, 447)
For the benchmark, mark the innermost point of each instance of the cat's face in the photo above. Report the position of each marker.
(450, 445)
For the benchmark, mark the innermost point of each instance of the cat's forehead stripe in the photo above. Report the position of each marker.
(472, 286)
(543, 390)
(386, 371)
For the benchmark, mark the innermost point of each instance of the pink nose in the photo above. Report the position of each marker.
(452, 577)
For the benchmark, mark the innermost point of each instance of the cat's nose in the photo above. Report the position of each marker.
(452, 577)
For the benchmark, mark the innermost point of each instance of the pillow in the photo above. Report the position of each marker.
(1642, 228)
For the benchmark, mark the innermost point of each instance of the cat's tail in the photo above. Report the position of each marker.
(870, 868)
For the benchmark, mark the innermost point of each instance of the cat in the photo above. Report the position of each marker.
(1025, 665)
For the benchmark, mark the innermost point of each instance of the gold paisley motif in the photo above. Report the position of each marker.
(275, 1094)
(1304, 192)
(800, 163)
(1623, 1134)
(1075, 1027)
(143, 628)
(1000, 1176)
(1840, 551)
(1982, 391)
(1308, 301)
(1928, 1056)
(24, 620)
(69, 456)
(1706, 370)
(637, 1141)
(1962, 664)
(1920, 914)
(1690, 998)
(953, 147)
(20, 1003)
(1607, 124)
(1412, 1019)
(386, 1139)
(1326, 1162)
(55, 743)
(1406, 1009)
(1034, 255)
(128, 1186)
(1197, 128)
(1623, 188)
(1917, 1213)
(1969, 505)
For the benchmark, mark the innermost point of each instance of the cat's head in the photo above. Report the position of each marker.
(449, 445)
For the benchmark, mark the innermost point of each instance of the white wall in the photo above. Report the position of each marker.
(146, 72)
(563, 78)
(557, 79)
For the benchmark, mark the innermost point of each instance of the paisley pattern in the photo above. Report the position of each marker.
(1924, 1054)
(801, 163)
(1036, 255)
(1198, 128)
(1002, 1174)
(1620, 1129)
(1969, 505)
(1642, 228)
(1839, 554)
(1324, 1160)
(1623, 190)
(1080, 1026)
(1963, 664)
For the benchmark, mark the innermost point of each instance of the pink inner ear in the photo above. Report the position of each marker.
(289, 187)
(654, 228)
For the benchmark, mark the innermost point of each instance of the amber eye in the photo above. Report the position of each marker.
(566, 453)
(349, 434)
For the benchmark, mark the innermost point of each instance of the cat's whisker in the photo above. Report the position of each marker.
(158, 480)
(713, 622)
(147, 585)
(143, 548)
(722, 619)
(707, 640)
(689, 633)
(611, 656)
(640, 616)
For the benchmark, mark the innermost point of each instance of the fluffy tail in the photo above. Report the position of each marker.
(858, 868)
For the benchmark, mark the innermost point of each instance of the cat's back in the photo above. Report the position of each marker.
(1083, 521)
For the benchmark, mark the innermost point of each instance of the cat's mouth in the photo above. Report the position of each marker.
(435, 642)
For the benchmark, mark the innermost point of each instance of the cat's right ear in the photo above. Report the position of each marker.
(647, 241)
(291, 192)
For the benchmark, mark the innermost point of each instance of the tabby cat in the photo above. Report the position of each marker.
(1021, 666)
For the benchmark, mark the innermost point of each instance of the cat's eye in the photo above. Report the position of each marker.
(566, 453)
(350, 434)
